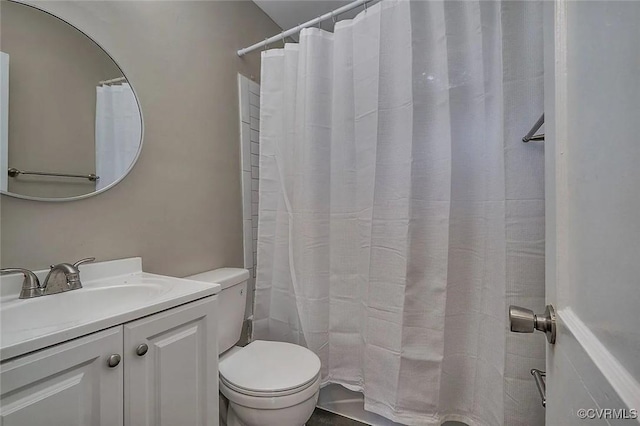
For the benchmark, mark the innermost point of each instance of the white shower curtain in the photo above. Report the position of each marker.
(399, 212)
(118, 132)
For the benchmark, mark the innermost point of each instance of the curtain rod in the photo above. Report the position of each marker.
(295, 30)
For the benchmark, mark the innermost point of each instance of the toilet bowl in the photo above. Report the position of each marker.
(264, 383)
(269, 384)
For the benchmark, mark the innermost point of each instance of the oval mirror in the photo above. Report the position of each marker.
(70, 123)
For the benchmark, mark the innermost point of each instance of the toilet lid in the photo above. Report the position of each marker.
(263, 366)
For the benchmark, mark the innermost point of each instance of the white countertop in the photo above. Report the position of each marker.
(113, 293)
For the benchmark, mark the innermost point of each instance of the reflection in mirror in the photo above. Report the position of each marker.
(70, 124)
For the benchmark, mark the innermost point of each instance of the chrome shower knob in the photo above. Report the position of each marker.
(522, 320)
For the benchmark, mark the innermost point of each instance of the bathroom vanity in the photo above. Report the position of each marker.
(129, 348)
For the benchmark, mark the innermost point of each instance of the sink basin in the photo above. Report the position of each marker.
(105, 300)
(73, 306)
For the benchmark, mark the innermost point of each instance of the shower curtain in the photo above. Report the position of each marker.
(118, 132)
(399, 211)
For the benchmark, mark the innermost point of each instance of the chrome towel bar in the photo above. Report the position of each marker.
(13, 172)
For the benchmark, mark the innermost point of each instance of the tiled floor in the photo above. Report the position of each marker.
(325, 418)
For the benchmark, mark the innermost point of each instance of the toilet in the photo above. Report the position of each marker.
(264, 383)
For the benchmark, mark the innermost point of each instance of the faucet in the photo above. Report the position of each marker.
(61, 277)
(64, 277)
(31, 284)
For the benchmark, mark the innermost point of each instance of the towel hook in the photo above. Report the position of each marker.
(531, 136)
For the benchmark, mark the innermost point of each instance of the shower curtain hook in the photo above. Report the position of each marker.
(282, 38)
(319, 23)
(266, 45)
(333, 18)
(365, 6)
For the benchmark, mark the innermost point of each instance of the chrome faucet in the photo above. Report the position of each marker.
(61, 277)
(31, 284)
(64, 277)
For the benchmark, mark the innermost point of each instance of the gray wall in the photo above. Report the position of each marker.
(53, 73)
(180, 207)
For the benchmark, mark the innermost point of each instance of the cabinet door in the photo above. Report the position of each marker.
(176, 381)
(68, 384)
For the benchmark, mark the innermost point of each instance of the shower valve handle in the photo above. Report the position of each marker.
(522, 320)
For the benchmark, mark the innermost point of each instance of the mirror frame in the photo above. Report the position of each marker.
(137, 156)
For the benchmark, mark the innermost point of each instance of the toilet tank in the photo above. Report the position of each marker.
(231, 302)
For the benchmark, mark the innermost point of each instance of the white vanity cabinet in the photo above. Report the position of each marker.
(167, 374)
(171, 367)
(68, 384)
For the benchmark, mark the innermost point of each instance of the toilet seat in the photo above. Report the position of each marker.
(271, 402)
(264, 371)
(259, 393)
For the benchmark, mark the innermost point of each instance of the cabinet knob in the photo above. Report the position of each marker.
(113, 360)
(142, 349)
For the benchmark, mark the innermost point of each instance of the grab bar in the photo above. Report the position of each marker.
(13, 172)
(531, 136)
(539, 377)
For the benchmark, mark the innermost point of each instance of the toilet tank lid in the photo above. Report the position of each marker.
(226, 277)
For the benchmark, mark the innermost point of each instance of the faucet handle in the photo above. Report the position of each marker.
(73, 279)
(83, 261)
(31, 284)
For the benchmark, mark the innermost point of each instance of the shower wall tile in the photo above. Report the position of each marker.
(246, 195)
(247, 231)
(254, 99)
(254, 123)
(243, 91)
(254, 112)
(245, 146)
(255, 135)
(253, 88)
(249, 100)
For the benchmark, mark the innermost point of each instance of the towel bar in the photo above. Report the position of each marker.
(13, 172)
